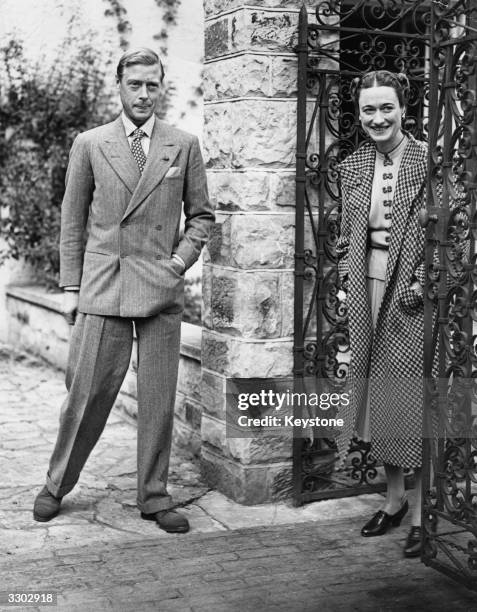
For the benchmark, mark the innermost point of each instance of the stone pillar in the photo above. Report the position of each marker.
(250, 144)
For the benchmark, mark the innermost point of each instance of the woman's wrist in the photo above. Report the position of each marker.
(417, 288)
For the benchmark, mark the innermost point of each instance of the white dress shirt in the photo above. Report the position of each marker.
(147, 128)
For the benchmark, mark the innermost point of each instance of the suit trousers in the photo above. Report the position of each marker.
(98, 360)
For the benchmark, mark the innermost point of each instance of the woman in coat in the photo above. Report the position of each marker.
(380, 262)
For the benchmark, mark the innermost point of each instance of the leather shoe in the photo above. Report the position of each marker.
(413, 545)
(168, 520)
(46, 506)
(382, 521)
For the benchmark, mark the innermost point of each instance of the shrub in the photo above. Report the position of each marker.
(192, 301)
(42, 108)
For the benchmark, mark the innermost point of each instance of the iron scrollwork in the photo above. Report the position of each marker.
(435, 43)
(450, 500)
(345, 39)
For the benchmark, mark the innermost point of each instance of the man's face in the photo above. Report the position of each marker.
(139, 90)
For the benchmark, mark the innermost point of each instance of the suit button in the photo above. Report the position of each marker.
(158, 227)
(158, 257)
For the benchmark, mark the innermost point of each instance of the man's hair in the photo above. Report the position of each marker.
(141, 55)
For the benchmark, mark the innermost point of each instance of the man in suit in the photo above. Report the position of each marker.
(126, 185)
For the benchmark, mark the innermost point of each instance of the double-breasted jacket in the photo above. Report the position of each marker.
(132, 220)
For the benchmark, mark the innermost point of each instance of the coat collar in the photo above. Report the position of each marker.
(162, 152)
(361, 162)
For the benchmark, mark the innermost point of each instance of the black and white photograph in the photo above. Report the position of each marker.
(238, 305)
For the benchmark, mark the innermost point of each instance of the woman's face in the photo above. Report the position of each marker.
(381, 116)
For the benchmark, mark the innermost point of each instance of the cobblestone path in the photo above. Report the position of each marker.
(98, 555)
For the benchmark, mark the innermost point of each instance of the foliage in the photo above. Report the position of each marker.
(192, 301)
(123, 25)
(169, 17)
(118, 11)
(44, 104)
(42, 108)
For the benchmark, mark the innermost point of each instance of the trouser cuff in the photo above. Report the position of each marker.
(156, 505)
(56, 490)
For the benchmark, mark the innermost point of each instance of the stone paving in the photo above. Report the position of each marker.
(99, 555)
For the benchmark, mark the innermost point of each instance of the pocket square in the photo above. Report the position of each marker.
(173, 172)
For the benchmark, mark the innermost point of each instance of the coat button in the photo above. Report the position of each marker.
(158, 257)
(386, 238)
(387, 215)
(158, 227)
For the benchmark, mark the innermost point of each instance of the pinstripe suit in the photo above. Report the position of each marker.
(125, 275)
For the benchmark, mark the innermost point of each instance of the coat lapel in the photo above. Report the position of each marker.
(163, 151)
(357, 179)
(115, 148)
(412, 174)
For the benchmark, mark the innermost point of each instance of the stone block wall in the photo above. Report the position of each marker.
(250, 145)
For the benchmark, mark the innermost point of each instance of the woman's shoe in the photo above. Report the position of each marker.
(382, 521)
(413, 545)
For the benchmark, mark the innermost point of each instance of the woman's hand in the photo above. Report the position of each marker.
(411, 298)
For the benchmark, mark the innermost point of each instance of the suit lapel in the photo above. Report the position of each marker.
(115, 148)
(412, 173)
(163, 151)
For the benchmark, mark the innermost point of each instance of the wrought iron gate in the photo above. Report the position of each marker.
(450, 460)
(343, 41)
(435, 44)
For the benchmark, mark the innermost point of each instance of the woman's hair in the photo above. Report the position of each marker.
(377, 78)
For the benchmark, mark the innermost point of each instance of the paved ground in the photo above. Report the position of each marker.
(99, 555)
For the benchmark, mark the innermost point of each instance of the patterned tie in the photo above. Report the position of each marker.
(137, 150)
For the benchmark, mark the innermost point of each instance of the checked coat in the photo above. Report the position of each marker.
(387, 362)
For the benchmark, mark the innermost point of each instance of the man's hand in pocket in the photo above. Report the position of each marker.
(70, 306)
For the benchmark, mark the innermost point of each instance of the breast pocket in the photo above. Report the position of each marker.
(174, 172)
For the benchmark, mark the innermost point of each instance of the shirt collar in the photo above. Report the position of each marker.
(129, 126)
